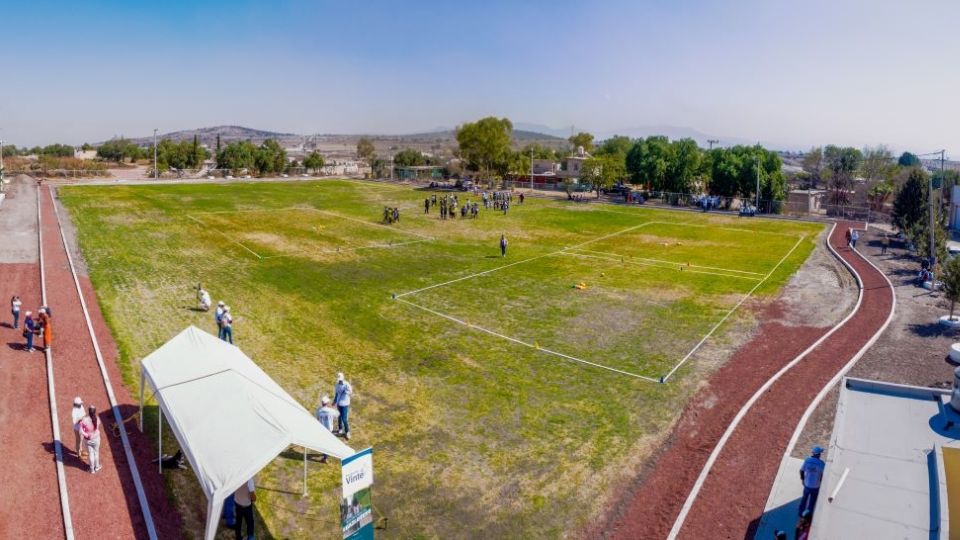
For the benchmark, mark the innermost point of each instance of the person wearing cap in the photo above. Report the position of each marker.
(341, 397)
(327, 416)
(811, 473)
(218, 316)
(226, 322)
(76, 415)
(29, 329)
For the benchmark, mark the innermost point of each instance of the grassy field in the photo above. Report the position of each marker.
(474, 434)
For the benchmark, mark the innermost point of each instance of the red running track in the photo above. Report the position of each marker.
(733, 496)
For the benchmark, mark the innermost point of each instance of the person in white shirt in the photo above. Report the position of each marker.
(341, 397)
(76, 415)
(327, 416)
(226, 322)
(204, 297)
(245, 496)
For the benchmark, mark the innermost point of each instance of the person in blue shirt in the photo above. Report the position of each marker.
(811, 474)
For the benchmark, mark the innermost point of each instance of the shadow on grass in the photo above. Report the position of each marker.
(933, 329)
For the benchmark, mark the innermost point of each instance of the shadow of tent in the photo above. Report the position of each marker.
(783, 517)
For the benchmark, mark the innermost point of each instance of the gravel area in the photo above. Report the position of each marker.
(18, 221)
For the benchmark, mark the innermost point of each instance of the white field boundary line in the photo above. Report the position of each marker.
(665, 266)
(559, 251)
(371, 224)
(134, 472)
(672, 263)
(52, 392)
(526, 344)
(827, 388)
(345, 250)
(686, 224)
(701, 479)
(221, 233)
(732, 310)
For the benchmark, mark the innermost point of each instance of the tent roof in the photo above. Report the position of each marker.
(228, 415)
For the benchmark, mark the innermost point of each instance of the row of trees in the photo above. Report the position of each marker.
(53, 150)
(268, 158)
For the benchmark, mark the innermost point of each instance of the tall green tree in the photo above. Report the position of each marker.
(910, 204)
(813, 166)
(237, 155)
(951, 282)
(270, 158)
(408, 157)
(618, 145)
(314, 161)
(908, 160)
(601, 172)
(685, 166)
(583, 139)
(365, 150)
(649, 160)
(485, 144)
(842, 163)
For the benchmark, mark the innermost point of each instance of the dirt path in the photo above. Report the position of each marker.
(30, 486)
(104, 505)
(734, 492)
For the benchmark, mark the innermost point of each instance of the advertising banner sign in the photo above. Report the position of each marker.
(356, 506)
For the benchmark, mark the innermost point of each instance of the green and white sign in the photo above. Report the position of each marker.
(356, 506)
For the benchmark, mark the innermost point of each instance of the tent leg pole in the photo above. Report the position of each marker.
(140, 418)
(160, 440)
(304, 471)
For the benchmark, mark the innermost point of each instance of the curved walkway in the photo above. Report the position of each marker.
(731, 497)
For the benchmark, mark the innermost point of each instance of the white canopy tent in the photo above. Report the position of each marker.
(230, 418)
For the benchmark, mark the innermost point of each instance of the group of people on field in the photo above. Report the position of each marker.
(34, 327)
(222, 315)
(391, 215)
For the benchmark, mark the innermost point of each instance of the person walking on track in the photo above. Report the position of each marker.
(884, 244)
(503, 245)
(77, 414)
(811, 473)
(244, 497)
(226, 322)
(15, 304)
(854, 236)
(90, 430)
(341, 397)
(29, 329)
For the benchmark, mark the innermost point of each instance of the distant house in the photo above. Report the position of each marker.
(805, 201)
(85, 154)
(574, 164)
(545, 167)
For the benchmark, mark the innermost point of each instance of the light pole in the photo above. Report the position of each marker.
(156, 170)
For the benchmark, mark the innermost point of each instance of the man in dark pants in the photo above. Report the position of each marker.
(811, 473)
(503, 245)
(244, 497)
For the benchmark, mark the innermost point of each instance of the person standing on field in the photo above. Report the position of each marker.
(15, 304)
(244, 497)
(426, 206)
(218, 316)
(341, 397)
(90, 430)
(226, 322)
(327, 416)
(503, 245)
(76, 415)
(811, 473)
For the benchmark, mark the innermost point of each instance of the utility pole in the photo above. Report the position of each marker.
(933, 249)
(156, 170)
(712, 142)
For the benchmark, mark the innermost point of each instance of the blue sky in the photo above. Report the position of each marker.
(787, 74)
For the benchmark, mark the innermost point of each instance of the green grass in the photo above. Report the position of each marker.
(474, 436)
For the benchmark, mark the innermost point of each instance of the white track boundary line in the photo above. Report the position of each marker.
(526, 344)
(485, 272)
(701, 479)
(134, 472)
(686, 224)
(666, 266)
(827, 388)
(255, 254)
(733, 309)
(672, 262)
(52, 392)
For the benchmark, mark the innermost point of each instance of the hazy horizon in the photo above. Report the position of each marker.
(789, 76)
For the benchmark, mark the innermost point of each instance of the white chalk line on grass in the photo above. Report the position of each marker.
(664, 265)
(673, 263)
(526, 344)
(346, 250)
(732, 310)
(372, 224)
(559, 251)
(117, 417)
(687, 224)
(225, 235)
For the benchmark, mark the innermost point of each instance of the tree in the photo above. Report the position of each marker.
(485, 144)
(237, 156)
(408, 157)
(583, 139)
(314, 161)
(117, 150)
(649, 160)
(910, 204)
(539, 151)
(951, 282)
(602, 172)
(813, 165)
(908, 160)
(365, 150)
(618, 145)
(10, 150)
(842, 163)
(686, 159)
(878, 165)
(270, 158)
